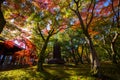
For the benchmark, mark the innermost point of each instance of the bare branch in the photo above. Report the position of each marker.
(113, 9)
(118, 24)
(40, 32)
(78, 5)
(51, 32)
(77, 2)
(72, 8)
(92, 14)
(88, 11)
(116, 14)
(115, 37)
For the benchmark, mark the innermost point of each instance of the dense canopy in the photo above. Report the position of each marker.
(87, 30)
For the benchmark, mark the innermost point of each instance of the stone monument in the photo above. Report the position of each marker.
(56, 54)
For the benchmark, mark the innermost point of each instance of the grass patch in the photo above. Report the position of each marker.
(61, 72)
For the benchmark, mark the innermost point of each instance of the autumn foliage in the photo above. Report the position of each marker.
(18, 52)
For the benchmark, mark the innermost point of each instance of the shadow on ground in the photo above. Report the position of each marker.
(60, 72)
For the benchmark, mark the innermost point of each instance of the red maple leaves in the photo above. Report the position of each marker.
(9, 44)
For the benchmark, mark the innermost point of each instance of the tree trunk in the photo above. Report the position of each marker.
(74, 57)
(73, 52)
(2, 20)
(113, 53)
(42, 56)
(95, 63)
(57, 50)
(80, 56)
(113, 48)
(87, 54)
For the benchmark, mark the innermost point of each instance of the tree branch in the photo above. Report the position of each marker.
(115, 13)
(92, 14)
(40, 32)
(118, 24)
(79, 15)
(77, 3)
(113, 9)
(115, 37)
(88, 11)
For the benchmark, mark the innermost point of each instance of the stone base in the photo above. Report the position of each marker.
(56, 61)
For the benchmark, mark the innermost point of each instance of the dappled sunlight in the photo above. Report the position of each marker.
(61, 72)
(13, 74)
(59, 40)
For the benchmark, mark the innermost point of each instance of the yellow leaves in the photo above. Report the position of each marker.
(7, 13)
(79, 49)
(35, 4)
(74, 27)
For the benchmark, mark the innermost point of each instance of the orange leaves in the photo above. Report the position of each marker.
(22, 53)
(62, 28)
(9, 44)
(45, 5)
(115, 3)
(28, 43)
(100, 4)
(45, 31)
(13, 5)
(76, 25)
(92, 33)
(42, 4)
(104, 7)
(105, 11)
(23, 1)
(36, 4)
(18, 15)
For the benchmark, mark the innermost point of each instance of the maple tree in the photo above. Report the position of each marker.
(85, 22)
(47, 18)
(89, 14)
(109, 15)
(115, 5)
(53, 23)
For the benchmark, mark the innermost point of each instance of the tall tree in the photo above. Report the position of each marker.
(115, 5)
(2, 20)
(49, 22)
(110, 15)
(85, 17)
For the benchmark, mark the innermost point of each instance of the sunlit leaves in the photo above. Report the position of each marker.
(48, 5)
(17, 9)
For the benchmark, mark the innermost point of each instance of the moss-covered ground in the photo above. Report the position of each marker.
(61, 72)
